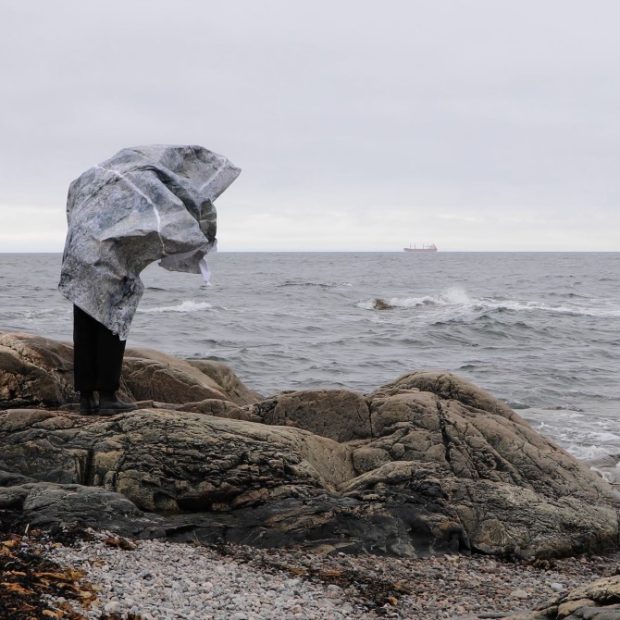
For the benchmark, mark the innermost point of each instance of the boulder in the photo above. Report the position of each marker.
(428, 463)
(506, 482)
(226, 379)
(149, 374)
(36, 371)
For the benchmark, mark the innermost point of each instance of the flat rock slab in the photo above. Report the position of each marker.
(428, 463)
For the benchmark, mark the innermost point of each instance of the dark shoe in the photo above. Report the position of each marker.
(88, 403)
(109, 404)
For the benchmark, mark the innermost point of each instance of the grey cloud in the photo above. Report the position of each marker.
(405, 106)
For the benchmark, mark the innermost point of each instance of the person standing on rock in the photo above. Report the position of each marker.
(144, 204)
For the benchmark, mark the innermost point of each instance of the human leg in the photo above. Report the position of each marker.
(110, 351)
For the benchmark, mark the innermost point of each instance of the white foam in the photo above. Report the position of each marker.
(604, 437)
(588, 453)
(606, 475)
(185, 306)
(455, 295)
(458, 299)
(525, 306)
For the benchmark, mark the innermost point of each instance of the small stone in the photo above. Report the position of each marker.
(557, 587)
(520, 594)
(113, 607)
(333, 591)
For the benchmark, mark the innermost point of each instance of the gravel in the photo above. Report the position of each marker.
(166, 580)
(153, 580)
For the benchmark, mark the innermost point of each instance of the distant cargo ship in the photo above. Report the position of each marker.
(425, 248)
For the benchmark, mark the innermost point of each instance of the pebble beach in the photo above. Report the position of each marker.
(153, 580)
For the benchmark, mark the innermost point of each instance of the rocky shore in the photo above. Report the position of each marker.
(427, 498)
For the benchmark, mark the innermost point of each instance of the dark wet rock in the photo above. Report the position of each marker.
(45, 504)
(381, 304)
(425, 464)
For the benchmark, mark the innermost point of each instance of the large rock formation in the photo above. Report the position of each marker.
(425, 464)
(36, 371)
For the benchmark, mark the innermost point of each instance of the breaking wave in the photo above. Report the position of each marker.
(458, 299)
(185, 306)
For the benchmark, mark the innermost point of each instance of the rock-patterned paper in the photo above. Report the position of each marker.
(145, 204)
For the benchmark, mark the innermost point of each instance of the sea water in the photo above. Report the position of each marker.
(540, 331)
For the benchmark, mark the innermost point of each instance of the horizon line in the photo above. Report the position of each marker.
(458, 251)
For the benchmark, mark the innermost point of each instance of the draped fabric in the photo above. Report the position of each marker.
(145, 204)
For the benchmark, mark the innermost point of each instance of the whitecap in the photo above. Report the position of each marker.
(185, 306)
(604, 436)
(455, 295)
(458, 299)
(528, 306)
(588, 453)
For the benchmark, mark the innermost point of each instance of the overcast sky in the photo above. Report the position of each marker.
(473, 124)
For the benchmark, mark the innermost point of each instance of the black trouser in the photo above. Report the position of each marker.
(97, 355)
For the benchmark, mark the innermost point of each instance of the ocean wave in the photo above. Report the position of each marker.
(315, 284)
(379, 303)
(604, 437)
(185, 306)
(589, 452)
(458, 299)
(586, 437)
(529, 306)
(29, 314)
